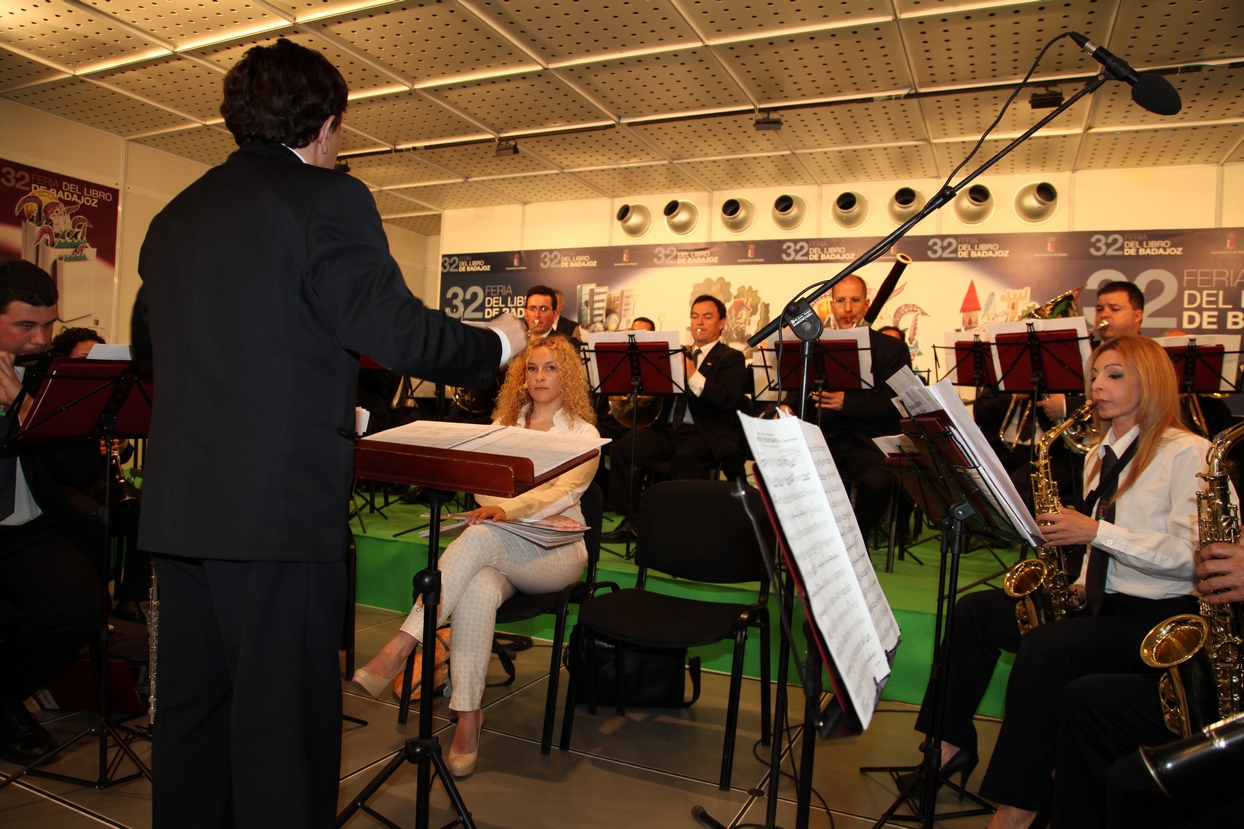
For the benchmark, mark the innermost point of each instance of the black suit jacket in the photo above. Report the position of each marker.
(870, 413)
(262, 282)
(714, 410)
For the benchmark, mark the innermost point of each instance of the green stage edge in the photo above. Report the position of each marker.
(387, 565)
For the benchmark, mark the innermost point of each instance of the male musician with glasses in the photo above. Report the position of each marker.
(262, 283)
(51, 594)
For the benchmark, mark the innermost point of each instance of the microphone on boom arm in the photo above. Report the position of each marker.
(1153, 92)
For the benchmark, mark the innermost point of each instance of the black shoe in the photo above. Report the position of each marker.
(963, 763)
(22, 739)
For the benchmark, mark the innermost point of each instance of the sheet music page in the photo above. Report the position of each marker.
(121, 351)
(670, 338)
(812, 505)
(942, 396)
(433, 433)
(1230, 352)
(546, 451)
(1076, 324)
(858, 336)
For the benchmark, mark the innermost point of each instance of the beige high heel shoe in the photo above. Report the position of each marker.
(460, 765)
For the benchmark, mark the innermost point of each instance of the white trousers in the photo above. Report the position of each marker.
(480, 570)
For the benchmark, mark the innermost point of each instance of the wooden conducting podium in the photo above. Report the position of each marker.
(445, 458)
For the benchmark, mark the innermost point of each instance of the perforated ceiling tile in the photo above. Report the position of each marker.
(426, 41)
(1039, 154)
(991, 44)
(683, 81)
(477, 160)
(876, 164)
(1213, 94)
(428, 224)
(455, 196)
(206, 145)
(391, 204)
(353, 141)
(393, 169)
(837, 63)
(748, 171)
(566, 31)
(408, 117)
(554, 187)
(590, 149)
(969, 114)
(1237, 155)
(1167, 146)
(184, 21)
(91, 104)
(1158, 33)
(18, 70)
(175, 82)
(360, 77)
(723, 135)
(850, 125)
(70, 36)
(639, 180)
(719, 19)
(521, 102)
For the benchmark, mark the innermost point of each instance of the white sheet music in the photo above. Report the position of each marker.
(435, 433)
(846, 602)
(546, 451)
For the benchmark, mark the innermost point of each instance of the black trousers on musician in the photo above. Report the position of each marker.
(51, 599)
(863, 464)
(688, 453)
(248, 716)
(1049, 658)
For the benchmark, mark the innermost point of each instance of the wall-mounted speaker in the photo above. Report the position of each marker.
(635, 219)
(850, 209)
(681, 216)
(974, 205)
(1036, 202)
(789, 212)
(737, 215)
(906, 203)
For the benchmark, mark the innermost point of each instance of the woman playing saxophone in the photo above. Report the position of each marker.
(1141, 526)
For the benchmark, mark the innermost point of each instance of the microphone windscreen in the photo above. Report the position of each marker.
(1155, 93)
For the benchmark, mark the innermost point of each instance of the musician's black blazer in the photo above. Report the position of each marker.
(726, 379)
(868, 414)
(262, 282)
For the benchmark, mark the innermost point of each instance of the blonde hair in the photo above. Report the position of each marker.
(1159, 400)
(514, 396)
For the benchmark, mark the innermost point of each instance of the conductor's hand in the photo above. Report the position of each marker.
(479, 516)
(829, 399)
(560, 522)
(1065, 528)
(1220, 573)
(514, 331)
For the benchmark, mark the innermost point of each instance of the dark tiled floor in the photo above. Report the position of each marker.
(647, 769)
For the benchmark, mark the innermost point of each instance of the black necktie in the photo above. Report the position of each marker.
(1108, 485)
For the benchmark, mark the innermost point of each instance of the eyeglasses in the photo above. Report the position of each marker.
(843, 300)
(539, 309)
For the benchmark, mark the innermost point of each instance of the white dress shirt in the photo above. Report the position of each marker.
(1154, 532)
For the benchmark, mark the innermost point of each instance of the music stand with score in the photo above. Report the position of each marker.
(442, 472)
(80, 399)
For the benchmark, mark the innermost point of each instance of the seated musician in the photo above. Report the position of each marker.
(606, 423)
(851, 419)
(699, 429)
(1107, 717)
(50, 591)
(546, 390)
(1141, 484)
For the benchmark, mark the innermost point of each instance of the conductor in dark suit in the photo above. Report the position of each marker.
(262, 283)
(51, 594)
(701, 428)
(851, 419)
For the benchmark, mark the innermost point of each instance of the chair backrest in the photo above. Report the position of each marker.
(592, 504)
(700, 530)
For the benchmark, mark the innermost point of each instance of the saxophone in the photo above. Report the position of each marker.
(1201, 653)
(1040, 583)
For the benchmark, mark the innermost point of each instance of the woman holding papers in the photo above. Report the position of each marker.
(1140, 487)
(545, 390)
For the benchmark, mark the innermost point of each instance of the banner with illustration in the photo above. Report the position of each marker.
(68, 227)
(1193, 280)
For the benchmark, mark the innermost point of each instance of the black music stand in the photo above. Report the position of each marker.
(91, 399)
(442, 472)
(973, 363)
(936, 480)
(633, 368)
(1049, 361)
(834, 363)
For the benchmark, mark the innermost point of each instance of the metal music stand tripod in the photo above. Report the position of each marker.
(92, 399)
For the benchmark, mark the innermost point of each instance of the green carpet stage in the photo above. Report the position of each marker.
(386, 565)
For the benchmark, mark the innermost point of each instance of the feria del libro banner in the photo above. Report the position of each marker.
(1193, 280)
